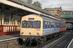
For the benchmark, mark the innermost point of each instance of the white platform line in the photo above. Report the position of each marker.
(70, 43)
(9, 39)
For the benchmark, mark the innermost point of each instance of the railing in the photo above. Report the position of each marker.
(9, 29)
(1, 30)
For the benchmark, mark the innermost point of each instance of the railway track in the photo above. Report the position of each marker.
(43, 43)
(61, 42)
(58, 42)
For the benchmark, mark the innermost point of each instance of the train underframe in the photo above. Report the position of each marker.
(36, 40)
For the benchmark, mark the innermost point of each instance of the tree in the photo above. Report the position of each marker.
(37, 4)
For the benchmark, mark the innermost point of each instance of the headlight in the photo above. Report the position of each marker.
(29, 33)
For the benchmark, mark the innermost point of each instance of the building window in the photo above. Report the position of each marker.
(6, 16)
(0, 15)
(71, 13)
(46, 24)
(65, 13)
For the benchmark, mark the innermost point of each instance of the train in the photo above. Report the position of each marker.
(69, 26)
(39, 26)
(35, 25)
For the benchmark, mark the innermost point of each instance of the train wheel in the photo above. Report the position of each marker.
(20, 41)
(30, 42)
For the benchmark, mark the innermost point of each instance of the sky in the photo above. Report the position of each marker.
(65, 4)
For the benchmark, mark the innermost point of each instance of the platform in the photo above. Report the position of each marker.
(8, 41)
(7, 37)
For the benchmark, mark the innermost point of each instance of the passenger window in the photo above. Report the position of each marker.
(31, 24)
(46, 24)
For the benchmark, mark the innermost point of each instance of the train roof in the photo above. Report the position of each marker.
(39, 15)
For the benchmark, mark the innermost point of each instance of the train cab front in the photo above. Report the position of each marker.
(30, 29)
(31, 26)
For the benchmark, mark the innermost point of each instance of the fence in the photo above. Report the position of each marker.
(9, 29)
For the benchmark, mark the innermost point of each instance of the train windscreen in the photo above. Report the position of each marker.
(31, 24)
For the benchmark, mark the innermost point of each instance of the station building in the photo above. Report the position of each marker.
(11, 12)
(10, 18)
(11, 15)
(67, 14)
(57, 11)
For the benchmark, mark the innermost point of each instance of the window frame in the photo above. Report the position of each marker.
(26, 26)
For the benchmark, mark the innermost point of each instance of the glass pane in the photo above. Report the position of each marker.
(46, 24)
(24, 24)
(6, 18)
(1, 15)
(36, 24)
(31, 24)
